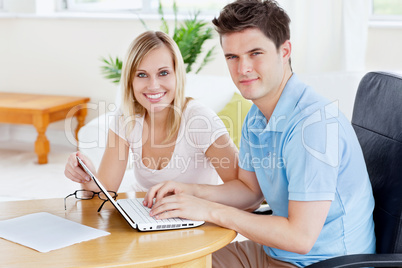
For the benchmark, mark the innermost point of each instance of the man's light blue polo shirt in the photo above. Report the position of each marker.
(308, 151)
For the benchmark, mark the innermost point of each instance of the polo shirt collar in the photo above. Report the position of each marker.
(285, 107)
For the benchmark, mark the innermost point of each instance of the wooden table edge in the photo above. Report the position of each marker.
(201, 255)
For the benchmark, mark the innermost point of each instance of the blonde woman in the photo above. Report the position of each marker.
(172, 138)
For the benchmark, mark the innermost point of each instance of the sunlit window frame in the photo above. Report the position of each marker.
(70, 5)
(147, 7)
(376, 17)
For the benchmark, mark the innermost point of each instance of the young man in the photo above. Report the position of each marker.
(297, 151)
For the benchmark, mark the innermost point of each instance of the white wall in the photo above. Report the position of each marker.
(61, 56)
(384, 48)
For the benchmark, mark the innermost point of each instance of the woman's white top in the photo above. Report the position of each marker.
(199, 128)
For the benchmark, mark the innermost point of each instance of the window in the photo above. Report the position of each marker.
(102, 5)
(186, 6)
(387, 9)
(145, 6)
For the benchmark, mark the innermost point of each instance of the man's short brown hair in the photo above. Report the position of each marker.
(265, 15)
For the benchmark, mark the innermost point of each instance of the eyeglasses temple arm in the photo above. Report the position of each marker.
(65, 199)
(101, 206)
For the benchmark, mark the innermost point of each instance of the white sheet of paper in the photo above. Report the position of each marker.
(45, 232)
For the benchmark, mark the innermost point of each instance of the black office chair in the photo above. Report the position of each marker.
(377, 120)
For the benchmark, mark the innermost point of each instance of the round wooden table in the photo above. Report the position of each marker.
(124, 247)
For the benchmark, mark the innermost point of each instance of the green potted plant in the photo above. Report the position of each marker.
(190, 36)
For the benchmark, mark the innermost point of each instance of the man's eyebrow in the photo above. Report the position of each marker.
(229, 55)
(255, 49)
(250, 51)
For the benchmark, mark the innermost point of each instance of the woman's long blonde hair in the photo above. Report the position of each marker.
(138, 49)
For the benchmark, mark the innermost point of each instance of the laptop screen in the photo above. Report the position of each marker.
(109, 197)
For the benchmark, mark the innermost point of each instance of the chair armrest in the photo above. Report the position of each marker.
(361, 260)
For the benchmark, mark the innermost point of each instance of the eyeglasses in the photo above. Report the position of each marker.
(86, 195)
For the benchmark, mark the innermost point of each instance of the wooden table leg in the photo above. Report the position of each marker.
(81, 114)
(41, 122)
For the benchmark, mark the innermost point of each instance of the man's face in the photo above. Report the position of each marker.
(256, 66)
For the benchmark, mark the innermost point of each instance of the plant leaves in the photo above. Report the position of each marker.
(208, 57)
(190, 36)
(112, 69)
(164, 26)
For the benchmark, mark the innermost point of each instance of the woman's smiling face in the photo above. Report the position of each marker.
(154, 82)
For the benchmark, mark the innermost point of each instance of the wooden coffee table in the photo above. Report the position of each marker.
(40, 111)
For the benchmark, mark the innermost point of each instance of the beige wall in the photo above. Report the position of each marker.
(61, 55)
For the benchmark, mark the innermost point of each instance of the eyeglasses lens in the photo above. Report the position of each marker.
(84, 194)
(103, 196)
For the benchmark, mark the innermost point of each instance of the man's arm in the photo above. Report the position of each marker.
(243, 193)
(296, 233)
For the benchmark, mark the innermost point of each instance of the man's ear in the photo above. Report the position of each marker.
(286, 49)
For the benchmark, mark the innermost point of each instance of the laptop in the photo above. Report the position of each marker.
(137, 215)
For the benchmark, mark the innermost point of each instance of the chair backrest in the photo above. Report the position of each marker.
(377, 120)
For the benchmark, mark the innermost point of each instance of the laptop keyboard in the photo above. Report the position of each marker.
(143, 212)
